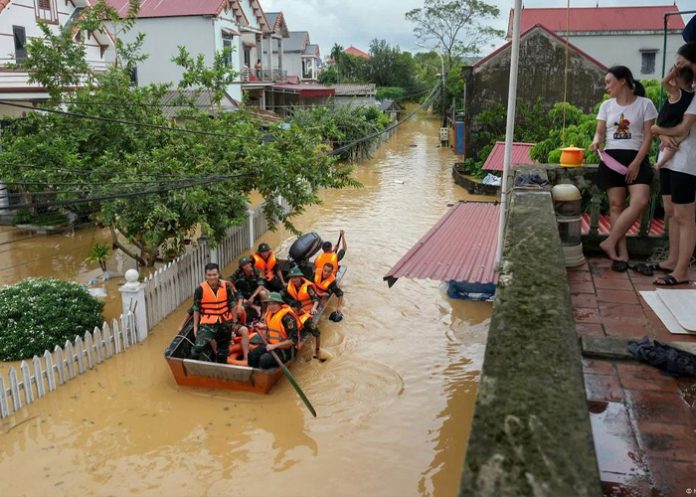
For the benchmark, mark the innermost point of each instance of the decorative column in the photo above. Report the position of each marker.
(133, 298)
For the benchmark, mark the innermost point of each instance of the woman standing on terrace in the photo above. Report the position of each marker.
(623, 125)
(678, 184)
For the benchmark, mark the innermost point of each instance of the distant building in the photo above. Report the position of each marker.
(629, 36)
(355, 94)
(541, 76)
(392, 108)
(351, 50)
(302, 58)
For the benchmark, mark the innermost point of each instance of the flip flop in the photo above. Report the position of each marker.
(619, 266)
(669, 280)
(656, 267)
(644, 269)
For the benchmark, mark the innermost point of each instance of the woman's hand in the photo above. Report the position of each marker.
(632, 173)
(669, 142)
(594, 146)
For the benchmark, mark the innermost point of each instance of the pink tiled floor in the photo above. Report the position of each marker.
(643, 421)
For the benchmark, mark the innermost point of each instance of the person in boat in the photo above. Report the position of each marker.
(251, 285)
(307, 326)
(331, 255)
(299, 289)
(217, 310)
(281, 328)
(325, 285)
(265, 261)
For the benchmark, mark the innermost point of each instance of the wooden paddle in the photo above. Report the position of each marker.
(288, 375)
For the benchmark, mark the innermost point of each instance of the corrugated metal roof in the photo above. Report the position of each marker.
(174, 101)
(460, 247)
(305, 89)
(347, 89)
(520, 155)
(600, 18)
(657, 226)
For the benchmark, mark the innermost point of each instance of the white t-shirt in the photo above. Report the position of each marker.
(625, 123)
(684, 160)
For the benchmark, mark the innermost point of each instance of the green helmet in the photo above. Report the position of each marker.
(264, 247)
(244, 260)
(274, 297)
(295, 271)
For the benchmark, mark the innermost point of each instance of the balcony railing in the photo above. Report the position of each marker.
(264, 75)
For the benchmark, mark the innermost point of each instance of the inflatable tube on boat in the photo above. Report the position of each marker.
(305, 246)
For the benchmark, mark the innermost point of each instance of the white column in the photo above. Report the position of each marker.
(133, 297)
(4, 197)
(250, 215)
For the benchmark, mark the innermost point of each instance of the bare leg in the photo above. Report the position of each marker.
(244, 332)
(673, 254)
(684, 216)
(623, 218)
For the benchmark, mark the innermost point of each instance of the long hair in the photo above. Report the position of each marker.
(688, 51)
(623, 72)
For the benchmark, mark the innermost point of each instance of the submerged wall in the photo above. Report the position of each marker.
(531, 433)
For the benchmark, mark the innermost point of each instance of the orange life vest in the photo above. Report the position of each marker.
(326, 258)
(322, 285)
(267, 267)
(214, 308)
(302, 318)
(302, 294)
(276, 329)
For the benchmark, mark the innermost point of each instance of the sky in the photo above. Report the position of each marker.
(356, 22)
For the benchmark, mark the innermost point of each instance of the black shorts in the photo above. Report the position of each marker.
(608, 178)
(680, 186)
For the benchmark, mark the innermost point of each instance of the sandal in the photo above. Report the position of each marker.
(669, 280)
(619, 266)
(644, 269)
(656, 267)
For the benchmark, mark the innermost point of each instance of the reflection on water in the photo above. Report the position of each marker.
(394, 404)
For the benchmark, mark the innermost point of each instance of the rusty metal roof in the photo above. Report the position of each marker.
(520, 155)
(460, 247)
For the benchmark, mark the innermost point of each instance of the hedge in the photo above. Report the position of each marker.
(40, 313)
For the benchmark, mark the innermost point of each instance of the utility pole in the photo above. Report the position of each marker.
(444, 132)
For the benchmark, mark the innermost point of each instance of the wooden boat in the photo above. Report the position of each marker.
(196, 373)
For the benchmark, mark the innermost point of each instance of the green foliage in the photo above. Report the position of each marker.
(99, 253)
(40, 313)
(472, 167)
(49, 218)
(390, 93)
(101, 157)
(344, 68)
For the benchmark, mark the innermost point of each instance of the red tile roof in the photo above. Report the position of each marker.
(357, 52)
(460, 247)
(305, 90)
(3, 4)
(520, 155)
(600, 18)
(526, 33)
(171, 8)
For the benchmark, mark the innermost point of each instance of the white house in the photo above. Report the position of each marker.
(18, 23)
(207, 27)
(302, 58)
(629, 36)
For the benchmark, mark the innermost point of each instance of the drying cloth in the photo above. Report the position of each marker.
(663, 356)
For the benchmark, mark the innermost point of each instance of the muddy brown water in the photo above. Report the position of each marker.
(394, 404)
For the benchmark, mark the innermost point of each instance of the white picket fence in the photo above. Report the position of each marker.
(44, 374)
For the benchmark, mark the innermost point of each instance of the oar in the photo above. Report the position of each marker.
(288, 375)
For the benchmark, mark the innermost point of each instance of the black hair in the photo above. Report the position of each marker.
(326, 246)
(688, 51)
(686, 74)
(328, 264)
(210, 266)
(623, 72)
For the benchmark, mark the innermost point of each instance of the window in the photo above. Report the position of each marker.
(20, 41)
(227, 42)
(46, 10)
(647, 65)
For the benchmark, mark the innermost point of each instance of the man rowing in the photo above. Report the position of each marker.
(330, 254)
(281, 328)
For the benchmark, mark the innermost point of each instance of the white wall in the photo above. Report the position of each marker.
(625, 49)
(292, 63)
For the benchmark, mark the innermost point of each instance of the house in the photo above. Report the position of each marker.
(207, 27)
(541, 77)
(392, 108)
(351, 50)
(629, 36)
(355, 94)
(302, 57)
(18, 23)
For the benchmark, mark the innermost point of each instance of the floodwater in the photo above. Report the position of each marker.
(394, 403)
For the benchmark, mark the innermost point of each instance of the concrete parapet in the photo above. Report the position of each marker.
(531, 433)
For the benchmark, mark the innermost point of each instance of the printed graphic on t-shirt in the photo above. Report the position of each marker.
(622, 132)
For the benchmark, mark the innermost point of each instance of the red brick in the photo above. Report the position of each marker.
(597, 367)
(645, 377)
(584, 300)
(618, 328)
(603, 387)
(581, 287)
(672, 478)
(579, 269)
(668, 441)
(579, 276)
(613, 283)
(589, 329)
(628, 313)
(660, 407)
(586, 315)
(617, 296)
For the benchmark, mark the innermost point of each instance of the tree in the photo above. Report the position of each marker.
(344, 68)
(456, 28)
(151, 185)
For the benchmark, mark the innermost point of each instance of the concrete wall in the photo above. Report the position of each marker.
(625, 50)
(531, 433)
(541, 76)
(292, 62)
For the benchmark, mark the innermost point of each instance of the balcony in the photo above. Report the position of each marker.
(264, 76)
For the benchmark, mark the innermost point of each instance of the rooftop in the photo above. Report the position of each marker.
(351, 50)
(520, 155)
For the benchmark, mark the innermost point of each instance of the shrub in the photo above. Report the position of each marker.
(390, 93)
(40, 313)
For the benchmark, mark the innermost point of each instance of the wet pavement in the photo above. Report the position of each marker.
(643, 420)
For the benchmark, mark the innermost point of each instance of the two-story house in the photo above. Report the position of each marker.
(302, 57)
(207, 27)
(18, 24)
(629, 36)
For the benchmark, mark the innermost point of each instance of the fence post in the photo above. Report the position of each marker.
(133, 294)
(250, 216)
(26, 382)
(4, 407)
(38, 377)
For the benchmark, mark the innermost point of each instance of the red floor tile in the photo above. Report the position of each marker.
(579, 276)
(618, 328)
(581, 287)
(584, 300)
(660, 407)
(598, 367)
(586, 315)
(673, 478)
(603, 388)
(637, 376)
(617, 296)
(613, 283)
(629, 313)
(667, 441)
(589, 329)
